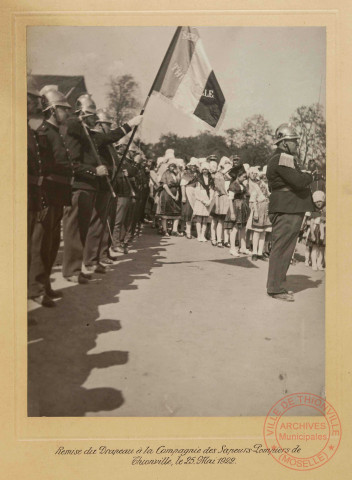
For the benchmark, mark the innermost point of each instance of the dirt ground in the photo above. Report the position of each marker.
(177, 328)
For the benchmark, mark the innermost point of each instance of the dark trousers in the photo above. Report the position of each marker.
(98, 233)
(286, 227)
(143, 204)
(123, 219)
(75, 228)
(135, 218)
(104, 252)
(45, 242)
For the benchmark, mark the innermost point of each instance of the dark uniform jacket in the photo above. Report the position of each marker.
(109, 158)
(128, 187)
(289, 186)
(145, 179)
(123, 184)
(56, 166)
(36, 198)
(83, 158)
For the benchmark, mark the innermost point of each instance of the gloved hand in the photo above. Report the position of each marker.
(135, 121)
(101, 170)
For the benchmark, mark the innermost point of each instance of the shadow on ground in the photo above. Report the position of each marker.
(298, 283)
(243, 262)
(58, 350)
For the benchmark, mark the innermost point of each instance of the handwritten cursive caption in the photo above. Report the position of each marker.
(164, 455)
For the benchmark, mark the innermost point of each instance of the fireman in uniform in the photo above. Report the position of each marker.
(125, 188)
(84, 145)
(97, 244)
(57, 176)
(289, 200)
(35, 198)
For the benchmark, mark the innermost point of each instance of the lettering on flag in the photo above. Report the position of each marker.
(187, 81)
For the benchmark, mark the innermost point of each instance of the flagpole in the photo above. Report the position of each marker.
(118, 168)
(147, 100)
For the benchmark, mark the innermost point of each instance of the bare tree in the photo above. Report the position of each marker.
(310, 124)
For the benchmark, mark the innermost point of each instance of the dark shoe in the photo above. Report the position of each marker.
(262, 258)
(227, 244)
(106, 261)
(125, 249)
(111, 256)
(90, 269)
(45, 301)
(54, 293)
(88, 276)
(255, 257)
(286, 297)
(189, 237)
(101, 269)
(78, 279)
(213, 242)
(266, 255)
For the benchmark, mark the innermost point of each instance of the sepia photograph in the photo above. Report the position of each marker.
(176, 219)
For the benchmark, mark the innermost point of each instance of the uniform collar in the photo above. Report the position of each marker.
(49, 125)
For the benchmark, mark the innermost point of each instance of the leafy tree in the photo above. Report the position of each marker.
(252, 141)
(123, 97)
(256, 131)
(233, 138)
(310, 124)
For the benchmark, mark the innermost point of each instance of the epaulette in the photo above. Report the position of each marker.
(286, 160)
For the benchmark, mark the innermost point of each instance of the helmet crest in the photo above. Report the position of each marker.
(51, 97)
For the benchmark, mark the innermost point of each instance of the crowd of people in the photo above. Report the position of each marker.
(226, 203)
(222, 200)
(82, 185)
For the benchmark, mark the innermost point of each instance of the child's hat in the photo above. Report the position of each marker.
(204, 166)
(193, 161)
(318, 196)
(252, 169)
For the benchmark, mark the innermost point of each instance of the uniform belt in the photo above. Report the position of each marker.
(60, 179)
(35, 180)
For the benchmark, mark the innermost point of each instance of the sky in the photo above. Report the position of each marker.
(261, 70)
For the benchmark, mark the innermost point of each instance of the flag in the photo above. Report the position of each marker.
(187, 81)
